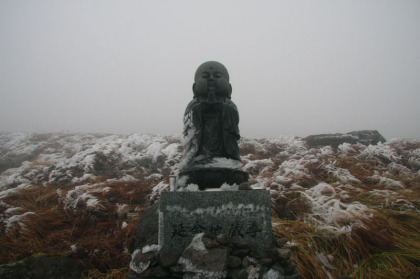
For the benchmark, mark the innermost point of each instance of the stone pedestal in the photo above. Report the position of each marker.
(214, 177)
(243, 215)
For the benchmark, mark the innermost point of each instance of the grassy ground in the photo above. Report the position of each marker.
(352, 210)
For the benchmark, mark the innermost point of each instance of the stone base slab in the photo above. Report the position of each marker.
(241, 214)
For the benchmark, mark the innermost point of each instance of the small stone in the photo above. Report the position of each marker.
(214, 260)
(145, 257)
(278, 269)
(241, 244)
(240, 252)
(266, 262)
(290, 266)
(280, 242)
(253, 271)
(273, 253)
(248, 261)
(263, 270)
(210, 243)
(243, 274)
(234, 262)
(224, 239)
(233, 273)
(176, 269)
(169, 259)
(258, 254)
(158, 272)
(209, 235)
(284, 253)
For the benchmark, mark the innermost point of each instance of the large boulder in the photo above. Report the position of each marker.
(365, 137)
(148, 228)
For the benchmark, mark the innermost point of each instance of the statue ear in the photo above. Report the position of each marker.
(193, 89)
(230, 91)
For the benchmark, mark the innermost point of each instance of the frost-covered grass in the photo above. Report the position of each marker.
(348, 210)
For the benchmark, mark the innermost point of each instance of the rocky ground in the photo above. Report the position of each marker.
(346, 208)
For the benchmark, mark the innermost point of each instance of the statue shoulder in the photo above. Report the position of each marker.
(231, 103)
(192, 103)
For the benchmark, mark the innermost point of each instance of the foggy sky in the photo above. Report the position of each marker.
(296, 67)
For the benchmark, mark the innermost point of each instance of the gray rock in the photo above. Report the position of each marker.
(290, 267)
(365, 137)
(284, 253)
(233, 273)
(224, 239)
(240, 252)
(148, 228)
(145, 257)
(259, 254)
(196, 258)
(210, 243)
(241, 244)
(278, 269)
(243, 274)
(266, 262)
(214, 260)
(279, 243)
(248, 261)
(158, 272)
(169, 259)
(234, 262)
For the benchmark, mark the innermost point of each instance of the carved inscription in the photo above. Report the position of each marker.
(182, 215)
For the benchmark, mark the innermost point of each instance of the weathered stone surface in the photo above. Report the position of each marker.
(241, 244)
(145, 257)
(148, 228)
(169, 259)
(266, 262)
(206, 262)
(248, 261)
(290, 266)
(243, 274)
(284, 253)
(210, 243)
(158, 272)
(365, 137)
(234, 262)
(240, 252)
(242, 215)
(258, 254)
(278, 268)
(280, 242)
(42, 267)
(224, 239)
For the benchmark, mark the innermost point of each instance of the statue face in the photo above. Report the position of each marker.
(212, 75)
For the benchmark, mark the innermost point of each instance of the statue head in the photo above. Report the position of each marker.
(212, 75)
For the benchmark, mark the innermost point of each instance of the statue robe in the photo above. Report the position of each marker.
(211, 129)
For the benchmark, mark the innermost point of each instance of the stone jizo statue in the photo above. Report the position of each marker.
(211, 118)
(211, 132)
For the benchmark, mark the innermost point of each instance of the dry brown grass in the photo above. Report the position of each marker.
(102, 243)
(385, 246)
